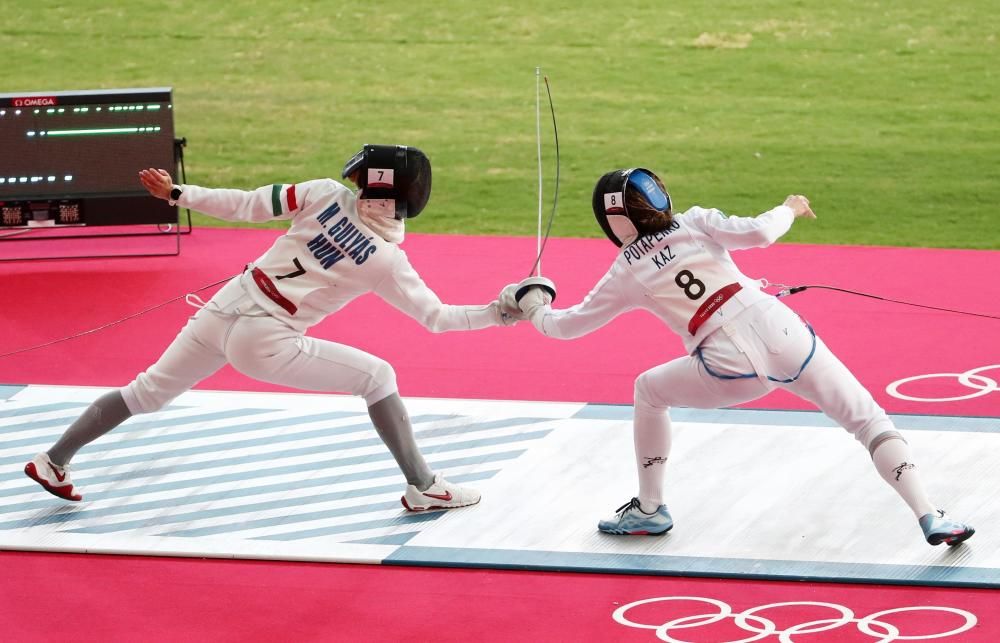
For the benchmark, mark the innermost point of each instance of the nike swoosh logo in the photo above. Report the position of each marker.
(61, 477)
(446, 497)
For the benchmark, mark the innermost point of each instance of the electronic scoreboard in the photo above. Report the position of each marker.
(72, 158)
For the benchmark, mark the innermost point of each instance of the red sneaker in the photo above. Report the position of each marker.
(54, 478)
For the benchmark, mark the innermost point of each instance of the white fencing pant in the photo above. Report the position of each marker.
(768, 339)
(232, 329)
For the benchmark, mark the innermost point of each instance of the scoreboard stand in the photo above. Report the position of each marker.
(69, 164)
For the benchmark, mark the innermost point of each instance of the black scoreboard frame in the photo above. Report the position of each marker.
(54, 212)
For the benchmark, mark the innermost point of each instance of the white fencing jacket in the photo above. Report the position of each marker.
(327, 257)
(683, 275)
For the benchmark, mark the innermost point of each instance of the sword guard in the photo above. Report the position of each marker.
(544, 283)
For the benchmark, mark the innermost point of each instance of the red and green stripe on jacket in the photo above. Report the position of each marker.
(283, 199)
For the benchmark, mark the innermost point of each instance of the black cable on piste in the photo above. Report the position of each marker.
(114, 323)
(798, 289)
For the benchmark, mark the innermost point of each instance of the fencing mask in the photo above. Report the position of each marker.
(609, 202)
(393, 172)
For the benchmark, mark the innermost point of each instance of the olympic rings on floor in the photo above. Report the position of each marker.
(971, 378)
(762, 628)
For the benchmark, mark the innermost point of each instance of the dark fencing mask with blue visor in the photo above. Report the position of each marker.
(615, 190)
(395, 172)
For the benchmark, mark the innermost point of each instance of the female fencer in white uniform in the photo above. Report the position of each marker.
(340, 245)
(741, 342)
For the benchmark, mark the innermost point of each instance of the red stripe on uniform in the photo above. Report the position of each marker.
(292, 203)
(268, 288)
(712, 304)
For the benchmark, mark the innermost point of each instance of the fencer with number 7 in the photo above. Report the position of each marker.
(340, 245)
(741, 341)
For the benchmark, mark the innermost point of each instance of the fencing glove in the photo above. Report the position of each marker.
(508, 304)
(533, 299)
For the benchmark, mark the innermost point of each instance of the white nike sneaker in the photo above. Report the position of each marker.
(440, 495)
(55, 479)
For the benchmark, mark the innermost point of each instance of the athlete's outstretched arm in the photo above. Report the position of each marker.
(404, 289)
(278, 201)
(602, 304)
(736, 233)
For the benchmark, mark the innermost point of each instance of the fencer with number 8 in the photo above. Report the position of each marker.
(340, 245)
(741, 341)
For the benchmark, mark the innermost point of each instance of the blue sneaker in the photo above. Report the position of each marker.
(631, 520)
(940, 529)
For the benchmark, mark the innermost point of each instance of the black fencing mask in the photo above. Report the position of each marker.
(393, 172)
(609, 201)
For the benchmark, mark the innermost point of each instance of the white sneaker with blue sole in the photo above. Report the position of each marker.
(631, 520)
(939, 528)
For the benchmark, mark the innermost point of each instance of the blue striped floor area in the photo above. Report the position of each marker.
(299, 467)
(296, 476)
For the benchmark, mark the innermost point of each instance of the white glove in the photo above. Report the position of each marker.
(502, 316)
(533, 299)
(508, 304)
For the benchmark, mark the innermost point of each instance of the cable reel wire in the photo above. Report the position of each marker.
(114, 323)
(555, 197)
(797, 289)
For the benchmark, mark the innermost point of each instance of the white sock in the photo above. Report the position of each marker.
(893, 460)
(651, 432)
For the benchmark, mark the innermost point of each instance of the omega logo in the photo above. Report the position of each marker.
(34, 101)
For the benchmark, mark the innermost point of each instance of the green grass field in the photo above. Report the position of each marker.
(884, 114)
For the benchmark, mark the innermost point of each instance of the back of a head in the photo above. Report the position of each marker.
(395, 172)
(645, 215)
(631, 203)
